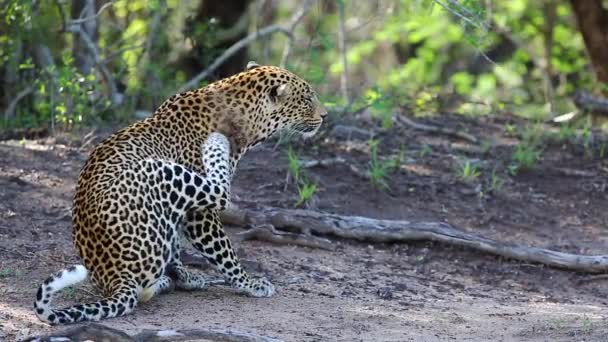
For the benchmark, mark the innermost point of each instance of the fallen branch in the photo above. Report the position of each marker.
(268, 233)
(98, 332)
(434, 129)
(374, 230)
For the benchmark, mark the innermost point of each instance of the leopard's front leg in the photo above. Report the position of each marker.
(204, 230)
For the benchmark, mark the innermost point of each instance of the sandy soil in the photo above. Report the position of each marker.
(359, 292)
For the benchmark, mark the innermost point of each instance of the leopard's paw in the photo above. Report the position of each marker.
(259, 287)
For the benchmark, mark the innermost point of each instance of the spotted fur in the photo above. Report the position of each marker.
(169, 176)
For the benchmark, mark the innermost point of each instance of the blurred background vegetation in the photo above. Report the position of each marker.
(74, 63)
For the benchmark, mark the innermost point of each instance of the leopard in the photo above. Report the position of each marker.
(161, 182)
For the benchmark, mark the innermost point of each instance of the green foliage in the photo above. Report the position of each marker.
(433, 36)
(382, 106)
(468, 172)
(421, 56)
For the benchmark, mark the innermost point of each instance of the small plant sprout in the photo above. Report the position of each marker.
(567, 132)
(293, 164)
(306, 189)
(306, 192)
(510, 130)
(602, 150)
(586, 325)
(526, 156)
(7, 272)
(587, 137)
(486, 146)
(69, 292)
(496, 183)
(379, 170)
(468, 172)
(426, 149)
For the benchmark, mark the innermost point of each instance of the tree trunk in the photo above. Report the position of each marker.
(593, 22)
(84, 60)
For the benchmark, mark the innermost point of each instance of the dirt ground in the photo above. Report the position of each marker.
(360, 292)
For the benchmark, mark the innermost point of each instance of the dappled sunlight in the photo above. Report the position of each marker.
(412, 170)
(19, 322)
(31, 145)
(417, 169)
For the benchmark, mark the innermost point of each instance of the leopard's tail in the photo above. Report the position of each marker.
(53, 284)
(120, 303)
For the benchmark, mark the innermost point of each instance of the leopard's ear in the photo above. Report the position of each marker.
(252, 65)
(279, 92)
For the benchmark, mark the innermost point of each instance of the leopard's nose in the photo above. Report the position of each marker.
(323, 114)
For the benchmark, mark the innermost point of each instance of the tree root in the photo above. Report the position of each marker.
(98, 332)
(374, 230)
(267, 232)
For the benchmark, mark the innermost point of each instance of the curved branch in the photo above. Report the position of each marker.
(293, 22)
(231, 51)
(94, 16)
(10, 109)
(112, 91)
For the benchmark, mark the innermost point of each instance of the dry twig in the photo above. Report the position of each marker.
(434, 129)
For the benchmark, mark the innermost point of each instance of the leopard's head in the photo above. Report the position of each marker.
(274, 99)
